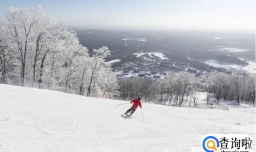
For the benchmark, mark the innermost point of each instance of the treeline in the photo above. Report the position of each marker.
(182, 87)
(36, 50)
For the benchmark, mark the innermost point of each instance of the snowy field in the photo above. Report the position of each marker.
(134, 39)
(33, 120)
(250, 68)
(113, 61)
(157, 54)
(226, 49)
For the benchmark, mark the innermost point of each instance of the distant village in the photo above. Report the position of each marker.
(152, 70)
(155, 66)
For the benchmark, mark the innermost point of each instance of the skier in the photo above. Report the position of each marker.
(136, 103)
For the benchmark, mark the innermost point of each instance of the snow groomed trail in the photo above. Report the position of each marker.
(34, 120)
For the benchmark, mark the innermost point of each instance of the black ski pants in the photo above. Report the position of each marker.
(132, 110)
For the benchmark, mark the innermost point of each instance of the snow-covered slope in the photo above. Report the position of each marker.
(250, 68)
(33, 120)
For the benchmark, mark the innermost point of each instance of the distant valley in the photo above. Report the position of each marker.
(161, 52)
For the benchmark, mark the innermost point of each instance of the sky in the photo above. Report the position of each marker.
(199, 15)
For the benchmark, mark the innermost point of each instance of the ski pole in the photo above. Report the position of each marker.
(142, 113)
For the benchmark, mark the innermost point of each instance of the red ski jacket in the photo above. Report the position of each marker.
(136, 103)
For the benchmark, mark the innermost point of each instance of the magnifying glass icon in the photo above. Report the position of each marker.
(211, 144)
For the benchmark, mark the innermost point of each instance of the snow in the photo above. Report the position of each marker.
(232, 50)
(160, 55)
(217, 37)
(215, 63)
(251, 68)
(43, 120)
(134, 39)
(113, 61)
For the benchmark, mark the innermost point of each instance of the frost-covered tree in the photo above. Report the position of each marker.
(21, 22)
(183, 85)
(97, 63)
(7, 55)
(108, 82)
(50, 55)
(169, 83)
(221, 85)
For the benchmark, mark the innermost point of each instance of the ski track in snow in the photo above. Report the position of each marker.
(42, 120)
